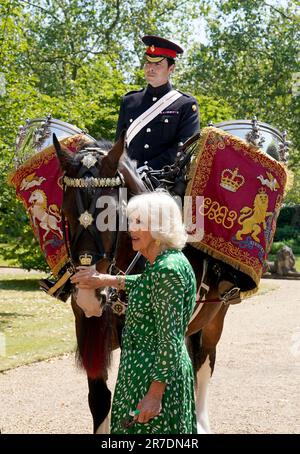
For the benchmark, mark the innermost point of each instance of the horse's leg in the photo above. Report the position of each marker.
(99, 403)
(99, 396)
(211, 334)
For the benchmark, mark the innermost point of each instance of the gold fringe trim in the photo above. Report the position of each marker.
(55, 269)
(234, 263)
(43, 157)
(256, 153)
(259, 156)
(197, 153)
(60, 283)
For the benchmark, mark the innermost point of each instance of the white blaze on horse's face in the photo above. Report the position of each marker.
(88, 301)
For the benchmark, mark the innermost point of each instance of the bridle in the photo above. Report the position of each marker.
(84, 181)
(87, 223)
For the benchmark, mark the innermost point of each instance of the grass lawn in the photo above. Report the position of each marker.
(33, 325)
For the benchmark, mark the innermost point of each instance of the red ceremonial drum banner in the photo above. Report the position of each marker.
(242, 191)
(38, 184)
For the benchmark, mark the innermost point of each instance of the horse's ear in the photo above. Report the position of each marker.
(64, 155)
(113, 156)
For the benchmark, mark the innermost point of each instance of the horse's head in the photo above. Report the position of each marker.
(93, 179)
(95, 182)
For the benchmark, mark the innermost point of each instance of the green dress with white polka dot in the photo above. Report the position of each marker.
(161, 302)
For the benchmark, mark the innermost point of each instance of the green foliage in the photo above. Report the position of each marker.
(294, 245)
(250, 61)
(293, 195)
(287, 230)
(213, 110)
(76, 58)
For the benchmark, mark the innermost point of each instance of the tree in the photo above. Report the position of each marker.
(74, 59)
(250, 60)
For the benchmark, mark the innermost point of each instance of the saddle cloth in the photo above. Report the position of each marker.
(242, 190)
(38, 184)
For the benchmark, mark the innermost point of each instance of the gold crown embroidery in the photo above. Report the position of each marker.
(231, 180)
(86, 259)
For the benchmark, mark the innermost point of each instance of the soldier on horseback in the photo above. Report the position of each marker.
(158, 119)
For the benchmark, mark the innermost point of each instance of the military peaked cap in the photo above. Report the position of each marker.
(160, 48)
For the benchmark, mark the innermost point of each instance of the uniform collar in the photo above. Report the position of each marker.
(159, 91)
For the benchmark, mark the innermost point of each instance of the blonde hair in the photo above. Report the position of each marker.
(161, 216)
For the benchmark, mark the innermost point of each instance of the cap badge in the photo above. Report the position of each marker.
(86, 219)
(89, 160)
(152, 48)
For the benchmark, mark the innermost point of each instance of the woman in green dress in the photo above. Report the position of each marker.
(155, 379)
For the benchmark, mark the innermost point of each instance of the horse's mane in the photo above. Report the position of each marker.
(129, 164)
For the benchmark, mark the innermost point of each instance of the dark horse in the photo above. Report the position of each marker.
(104, 171)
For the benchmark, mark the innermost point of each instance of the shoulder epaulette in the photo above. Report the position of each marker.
(134, 91)
(187, 95)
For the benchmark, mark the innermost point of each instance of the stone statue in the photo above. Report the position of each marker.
(284, 264)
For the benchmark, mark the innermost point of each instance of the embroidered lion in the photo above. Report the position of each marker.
(251, 218)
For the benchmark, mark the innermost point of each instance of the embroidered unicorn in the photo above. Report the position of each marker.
(48, 217)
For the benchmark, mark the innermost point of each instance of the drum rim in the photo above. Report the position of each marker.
(261, 124)
(55, 121)
(51, 123)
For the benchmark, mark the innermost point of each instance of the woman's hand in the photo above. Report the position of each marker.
(89, 278)
(149, 407)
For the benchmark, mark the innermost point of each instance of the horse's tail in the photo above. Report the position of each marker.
(95, 339)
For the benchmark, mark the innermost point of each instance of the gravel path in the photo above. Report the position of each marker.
(255, 387)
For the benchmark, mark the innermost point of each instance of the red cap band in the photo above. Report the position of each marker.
(161, 51)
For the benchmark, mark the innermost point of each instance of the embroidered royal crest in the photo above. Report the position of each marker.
(231, 180)
(240, 203)
(30, 181)
(44, 218)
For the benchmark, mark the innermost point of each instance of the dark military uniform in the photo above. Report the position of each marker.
(158, 142)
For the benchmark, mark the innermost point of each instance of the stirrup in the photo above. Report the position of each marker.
(229, 295)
